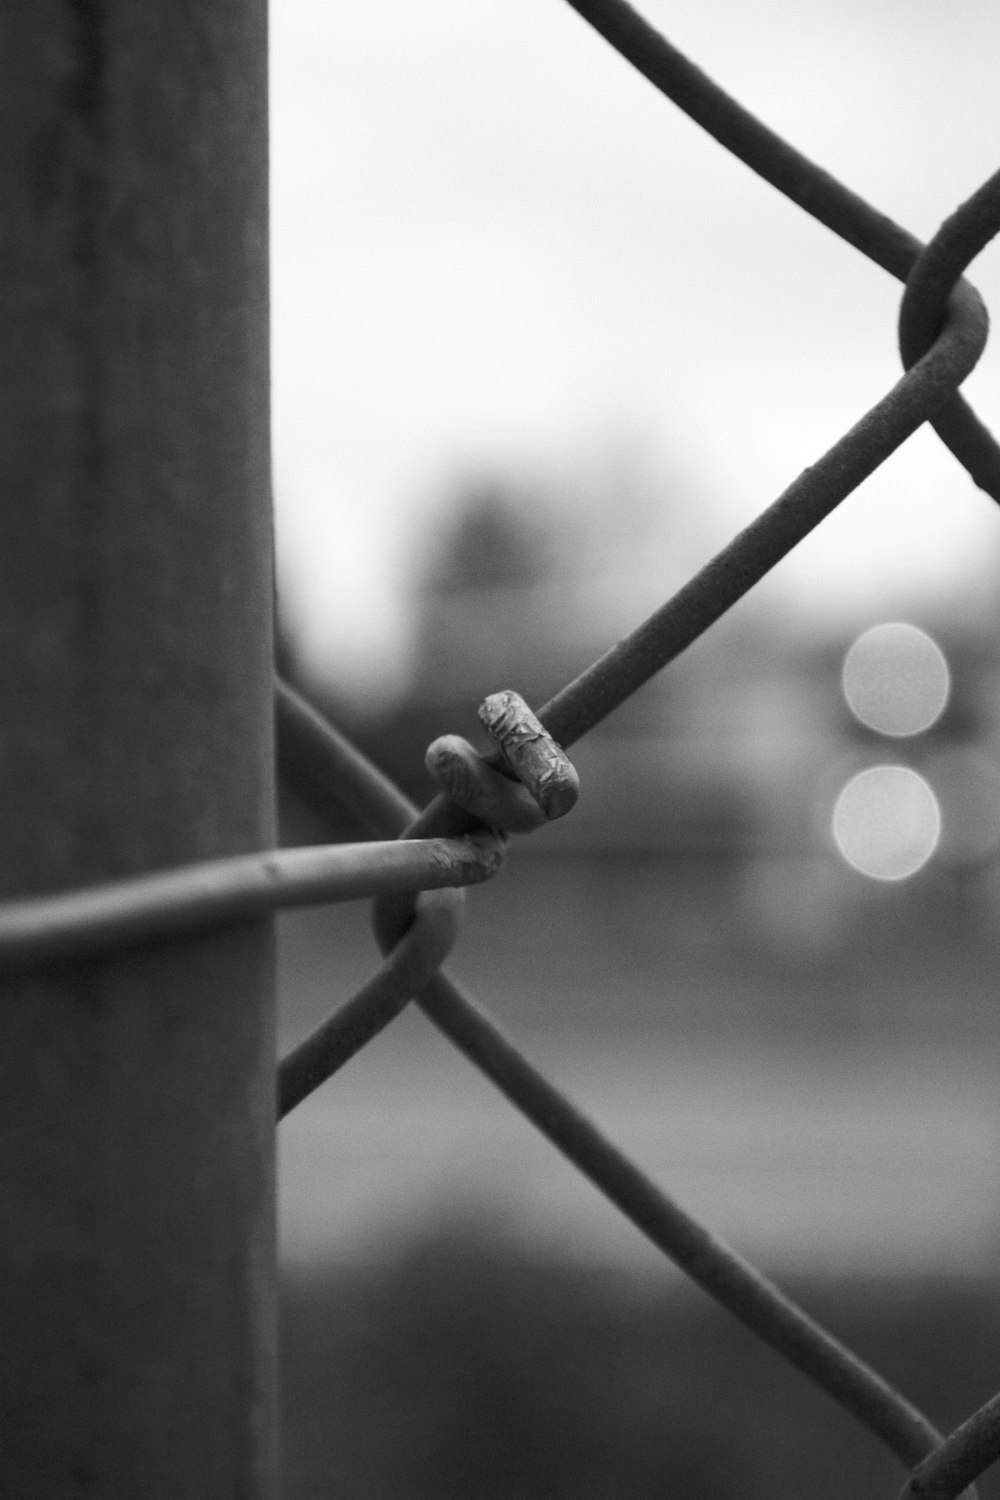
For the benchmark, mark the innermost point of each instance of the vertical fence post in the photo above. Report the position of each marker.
(136, 1095)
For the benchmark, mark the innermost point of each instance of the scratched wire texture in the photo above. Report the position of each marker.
(458, 838)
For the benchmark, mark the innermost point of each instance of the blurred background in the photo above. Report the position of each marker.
(540, 348)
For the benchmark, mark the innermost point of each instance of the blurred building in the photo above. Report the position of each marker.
(721, 775)
(800, 1048)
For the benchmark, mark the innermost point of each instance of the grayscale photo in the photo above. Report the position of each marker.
(500, 750)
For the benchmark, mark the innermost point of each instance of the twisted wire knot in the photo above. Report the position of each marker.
(528, 781)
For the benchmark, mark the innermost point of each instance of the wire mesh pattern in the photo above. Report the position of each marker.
(417, 860)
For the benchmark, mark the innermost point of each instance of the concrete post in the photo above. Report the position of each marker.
(136, 1096)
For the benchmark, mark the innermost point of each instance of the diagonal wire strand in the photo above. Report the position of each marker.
(942, 331)
(305, 739)
(577, 708)
(732, 1281)
(960, 1458)
(940, 299)
(405, 971)
(799, 179)
(605, 685)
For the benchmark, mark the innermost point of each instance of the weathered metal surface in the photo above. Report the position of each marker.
(136, 1094)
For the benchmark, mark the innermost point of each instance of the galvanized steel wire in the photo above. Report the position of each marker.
(112, 918)
(458, 838)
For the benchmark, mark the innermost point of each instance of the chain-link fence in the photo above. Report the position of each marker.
(416, 860)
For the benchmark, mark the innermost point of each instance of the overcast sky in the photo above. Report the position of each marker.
(497, 248)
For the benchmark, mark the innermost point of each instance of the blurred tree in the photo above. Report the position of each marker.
(484, 620)
(467, 1367)
(484, 602)
(491, 544)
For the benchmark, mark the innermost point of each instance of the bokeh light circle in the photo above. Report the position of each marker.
(887, 822)
(895, 679)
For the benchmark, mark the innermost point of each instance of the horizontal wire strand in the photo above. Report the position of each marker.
(105, 919)
(735, 1284)
(942, 333)
(730, 1280)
